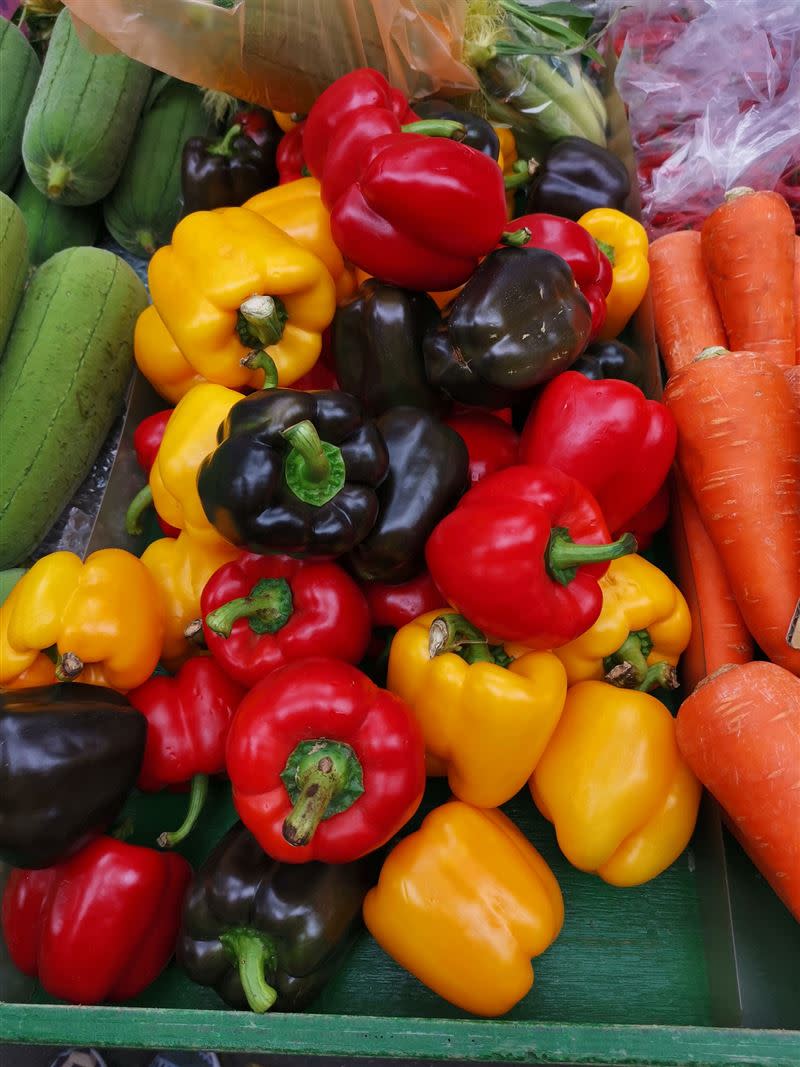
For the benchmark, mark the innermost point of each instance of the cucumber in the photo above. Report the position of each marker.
(145, 204)
(52, 226)
(19, 72)
(13, 263)
(62, 381)
(8, 579)
(82, 118)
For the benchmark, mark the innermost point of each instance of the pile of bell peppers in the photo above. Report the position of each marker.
(389, 532)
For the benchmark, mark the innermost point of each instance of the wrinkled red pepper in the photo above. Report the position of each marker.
(101, 926)
(492, 444)
(392, 606)
(147, 439)
(289, 158)
(521, 555)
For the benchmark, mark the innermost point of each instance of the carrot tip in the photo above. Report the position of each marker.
(740, 190)
(712, 353)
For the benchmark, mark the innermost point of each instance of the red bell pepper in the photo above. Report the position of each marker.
(324, 765)
(289, 158)
(101, 926)
(319, 377)
(492, 444)
(147, 439)
(392, 606)
(521, 556)
(646, 523)
(188, 717)
(261, 612)
(607, 435)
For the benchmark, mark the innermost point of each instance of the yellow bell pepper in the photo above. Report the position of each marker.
(464, 904)
(507, 156)
(614, 785)
(643, 627)
(159, 358)
(101, 621)
(234, 287)
(624, 241)
(486, 718)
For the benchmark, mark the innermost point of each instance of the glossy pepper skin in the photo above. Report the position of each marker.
(492, 444)
(464, 904)
(261, 612)
(486, 711)
(267, 934)
(227, 171)
(610, 359)
(102, 618)
(577, 176)
(607, 435)
(487, 352)
(99, 927)
(624, 241)
(428, 465)
(70, 756)
(624, 819)
(147, 439)
(479, 135)
(294, 472)
(377, 347)
(522, 554)
(324, 765)
(289, 158)
(159, 358)
(393, 605)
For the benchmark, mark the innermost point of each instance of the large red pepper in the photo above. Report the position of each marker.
(607, 435)
(521, 556)
(492, 444)
(393, 606)
(188, 718)
(289, 157)
(101, 926)
(147, 439)
(646, 523)
(324, 765)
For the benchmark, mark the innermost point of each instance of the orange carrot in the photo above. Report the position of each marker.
(748, 250)
(797, 299)
(740, 734)
(739, 450)
(793, 378)
(684, 307)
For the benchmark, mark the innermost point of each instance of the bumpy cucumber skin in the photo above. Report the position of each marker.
(145, 204)
(51, 226)
(62, 382)
(14, 263)
(82, 118)
(19, 72)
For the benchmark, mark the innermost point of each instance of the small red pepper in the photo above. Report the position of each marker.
(646, 523)
(188, 718)
(324, 765)
(261, 612)
(606, 434)
(392, 606)
(147, 439)
(319, 377)
(257, 124)
(101, 926)
(492, 444)
(289, 157)
(521, 556)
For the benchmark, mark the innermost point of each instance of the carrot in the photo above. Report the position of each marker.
(748, 250)
(740, 734)
(684, 307)
(739, 450)
(793, 378)
(797, 299)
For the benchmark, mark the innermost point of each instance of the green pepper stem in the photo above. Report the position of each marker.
(455, 131)
(563, 556)
(516, 238)
(323, 778)
(521, 173)
(451, 633)
(268, 606)
(258, 359)
(193, 632)
(225, 146)
(68, 667)
(58, 175)
(318, 791)
(304, 439)
(137, 507)
(252, 952)
(261, 321)
(197, 798)
(631, 653)
(660, 675)
(607, 250)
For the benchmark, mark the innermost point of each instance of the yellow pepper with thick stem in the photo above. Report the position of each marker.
(614, 785)
(464, 904)
(624, 241)
(643, 627)
(486, 712)
(101, 620)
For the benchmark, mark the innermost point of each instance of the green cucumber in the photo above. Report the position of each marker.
(8, 579)
(19, 72)
(82, 118)
(145, 204)
(52, 226)
(62, 382)
(14, 263)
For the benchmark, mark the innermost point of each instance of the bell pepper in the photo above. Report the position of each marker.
(522, 554)
(324, 765)
(463, 904)
(643, 627)
(289, 158)
(590, 268)
(607, 435)
(646, 523)
(71, 753)
(188, 717)
(264, 299)
(266, 934)
(624, 242)
(147, 439)
(577, 176)
(610, 359)
(479, 134)
(519, 321)
(392, 606)
(180, 568)
(261, 612)
(294, 472)
(428, 465)
(101, 620)
(486, 711)
(492, 444)
(101, 926)
(287, 120)
(227, 171)
(507, 154)
(377, 347)
(159, 358)
(614, 785)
